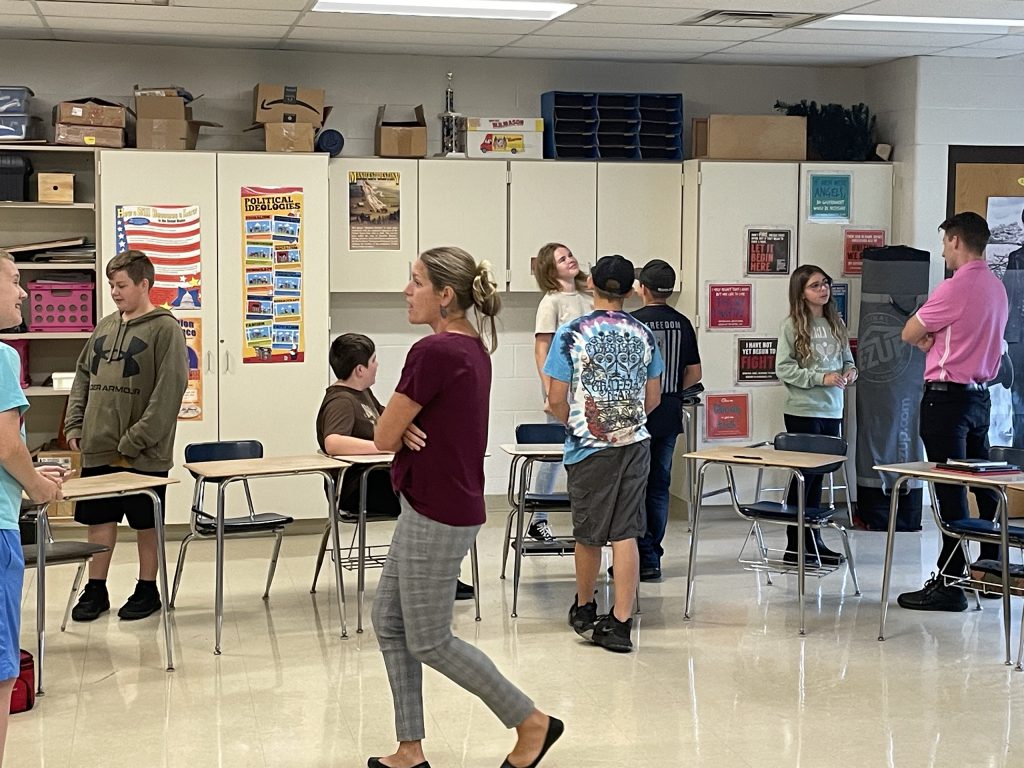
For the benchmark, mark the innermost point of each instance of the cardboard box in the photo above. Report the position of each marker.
(88, 135)
(400, 138)
(158, 133)
(289, 137)
(288, 104)
(68, 460)
(754, 137)
(56, 187)
(88, 111)
(502, 137)
(162, 108)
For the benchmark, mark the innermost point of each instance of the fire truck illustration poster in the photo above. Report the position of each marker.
(192, 401)
(374, 210)
(272, 271)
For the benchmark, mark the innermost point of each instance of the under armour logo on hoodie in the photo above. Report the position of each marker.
(131, 367)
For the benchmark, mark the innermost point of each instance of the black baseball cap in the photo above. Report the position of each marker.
(658, 275)
(613, 275)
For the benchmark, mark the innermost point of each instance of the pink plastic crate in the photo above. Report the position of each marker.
(60, 306)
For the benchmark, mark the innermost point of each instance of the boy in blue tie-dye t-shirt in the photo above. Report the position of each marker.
(605, 370)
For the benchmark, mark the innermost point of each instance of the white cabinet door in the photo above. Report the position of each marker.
(465, 204)
(373, 224)
(639, 212)
(170, 180)
(550, 202)
(275, 402)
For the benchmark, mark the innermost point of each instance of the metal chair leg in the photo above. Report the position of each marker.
(320, 556)
(273, 564)
(762, 551)
(507, 541)
(475, 565)
(849, 558)
(74, 591)
(179, 568)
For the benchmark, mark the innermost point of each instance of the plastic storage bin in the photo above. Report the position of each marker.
(14, 173)
(15, 99)
(55, 306)
(18, 127)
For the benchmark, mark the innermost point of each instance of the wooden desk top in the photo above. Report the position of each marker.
(268, 465)
(926, 471)
(366, 458)
(534, 449)
(764, 457)
(115, 482)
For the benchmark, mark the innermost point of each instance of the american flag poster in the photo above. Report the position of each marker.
(169, 236)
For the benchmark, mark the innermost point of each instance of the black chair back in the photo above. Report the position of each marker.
(1007, 454)
(225, 450)
(540, 433)
(803, 443)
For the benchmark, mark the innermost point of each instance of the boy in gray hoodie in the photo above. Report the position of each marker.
(122, 414)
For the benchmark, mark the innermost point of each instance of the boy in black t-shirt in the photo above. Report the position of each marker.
(678, 343)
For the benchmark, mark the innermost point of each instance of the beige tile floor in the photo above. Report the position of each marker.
(736, 686)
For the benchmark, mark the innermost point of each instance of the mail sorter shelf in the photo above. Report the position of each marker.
(644, 126)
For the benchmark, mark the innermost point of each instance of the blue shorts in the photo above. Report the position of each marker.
(12, 577)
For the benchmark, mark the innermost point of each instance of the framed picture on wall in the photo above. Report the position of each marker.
(830, 197)
(755, 360)
(769, 251)
(727, 416)
(855, 240)
(730, 306)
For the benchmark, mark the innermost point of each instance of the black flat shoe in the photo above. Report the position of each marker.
(555, 729)
(374, 762)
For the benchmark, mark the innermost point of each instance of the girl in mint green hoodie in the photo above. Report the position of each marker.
(815, 363)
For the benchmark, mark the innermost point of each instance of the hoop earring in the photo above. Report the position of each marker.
(444, 312)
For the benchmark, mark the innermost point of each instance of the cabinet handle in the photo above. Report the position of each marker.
(209, 362)
(227, 361)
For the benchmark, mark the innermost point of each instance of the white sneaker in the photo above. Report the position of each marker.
(539, 530)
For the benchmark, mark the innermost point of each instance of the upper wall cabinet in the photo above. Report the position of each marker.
(639, 211)
(374, 211)
(465, 204)
(550, 202)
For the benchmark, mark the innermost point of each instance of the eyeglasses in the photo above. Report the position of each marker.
(817, 286)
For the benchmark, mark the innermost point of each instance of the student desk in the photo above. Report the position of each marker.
(224, 473)
(104, 487)
(925, 470)
(523, 457)
(761, 458)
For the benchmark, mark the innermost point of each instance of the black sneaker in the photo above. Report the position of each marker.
(93, 603)
(464, 591)
(582, 618)
(613, 634)
(935, 596)
(539, 530)
(145, 602)
(810, 559)
(652, 573)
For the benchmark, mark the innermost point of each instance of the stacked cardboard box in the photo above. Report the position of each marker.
(90, 122)
(290, 116)
(164, 119)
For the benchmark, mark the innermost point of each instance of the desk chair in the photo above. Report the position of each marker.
(56, 553)
(534, 502)
(204, 526)
(759, 512)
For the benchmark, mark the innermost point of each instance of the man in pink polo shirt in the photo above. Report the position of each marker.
(960, 330)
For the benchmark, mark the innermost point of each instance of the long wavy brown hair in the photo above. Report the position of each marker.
(546, 272)
(801, 314)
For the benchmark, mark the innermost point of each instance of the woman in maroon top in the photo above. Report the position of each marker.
(436, 422)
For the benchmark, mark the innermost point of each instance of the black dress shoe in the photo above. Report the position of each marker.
(650, 574)
(810, 559)
(464, 591)
(555, 729)
(374, 762)
(935, 596)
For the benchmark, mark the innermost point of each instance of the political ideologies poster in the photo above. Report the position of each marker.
(272, 271)
(192, 401)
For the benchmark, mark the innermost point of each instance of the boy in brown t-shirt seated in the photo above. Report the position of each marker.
(344, 426)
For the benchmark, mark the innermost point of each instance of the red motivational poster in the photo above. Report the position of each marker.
(768, 251)
(727, 417)
(854, 243)
(755, 362)
(730, 306)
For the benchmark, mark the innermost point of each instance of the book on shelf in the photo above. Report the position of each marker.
(44, 245)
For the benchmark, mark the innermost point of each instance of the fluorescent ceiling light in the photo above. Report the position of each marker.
(467, 9)
(919, 23)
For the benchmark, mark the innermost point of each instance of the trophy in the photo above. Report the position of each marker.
(449, 120)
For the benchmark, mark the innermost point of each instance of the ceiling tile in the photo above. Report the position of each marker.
(167, 14)
(978, 9)
(265, 5)
(182, 32)
(872, 38)
(196, 41)
(790, 60)
(21, 22)
(418, 23)
(970, 52)
(599, 55)
(16, 8)
(840, 51)
(793, 6)
(446, 51)
(622, 44)
(626, 14)
(1004, 42)
(387, 36)
(651, 32)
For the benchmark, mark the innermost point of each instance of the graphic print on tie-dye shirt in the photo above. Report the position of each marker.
(606, 358)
